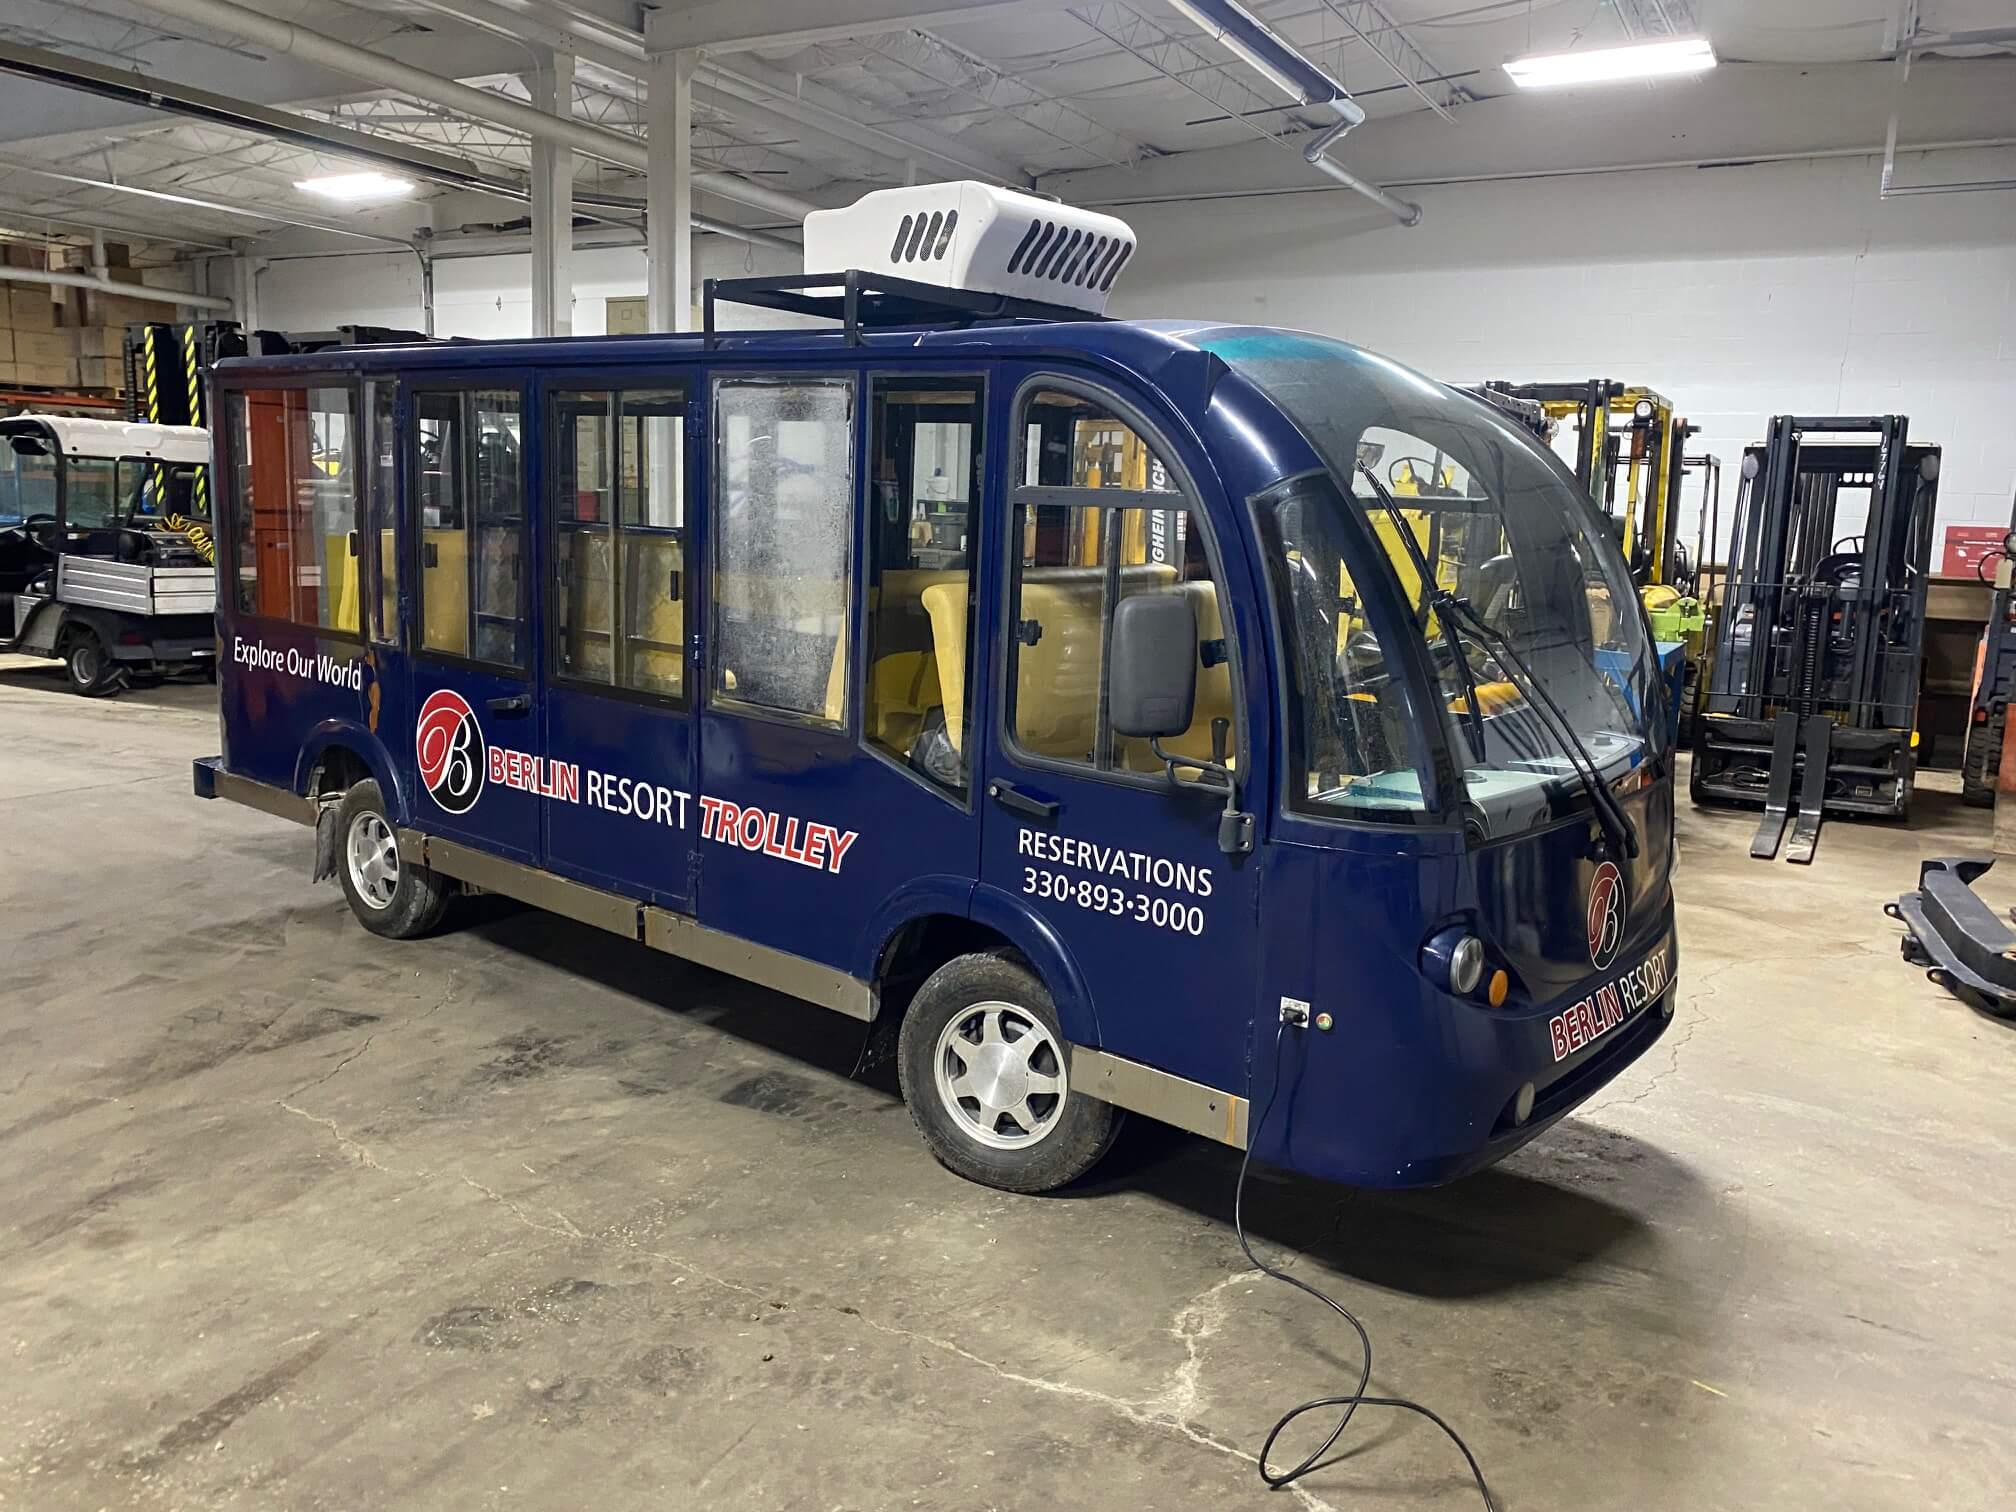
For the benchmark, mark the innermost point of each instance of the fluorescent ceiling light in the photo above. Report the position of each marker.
(354, 188)
(1601, 65)
(1240, 47)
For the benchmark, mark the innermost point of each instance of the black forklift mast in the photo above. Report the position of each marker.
(167, 362)
(1817, 649)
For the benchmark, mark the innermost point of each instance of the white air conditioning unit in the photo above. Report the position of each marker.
(974, 236)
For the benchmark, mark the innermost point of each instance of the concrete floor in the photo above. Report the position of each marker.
(291, 1217)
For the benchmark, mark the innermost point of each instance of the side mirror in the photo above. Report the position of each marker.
(1153, 688)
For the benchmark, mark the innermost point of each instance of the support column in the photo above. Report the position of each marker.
(552, 87)
(668, 191)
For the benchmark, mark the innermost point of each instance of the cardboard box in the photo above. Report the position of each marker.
(100, 341)
(43, 347)
(117, 311)
(29, 308)
(52, 375)
(101, 373)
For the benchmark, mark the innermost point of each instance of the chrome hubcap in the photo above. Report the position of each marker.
(1000, 1075)
(374, 860)
(84, 662)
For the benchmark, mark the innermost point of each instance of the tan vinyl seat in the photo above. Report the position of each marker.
(906, 682)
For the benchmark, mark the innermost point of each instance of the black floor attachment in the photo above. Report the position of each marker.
(1956, 937)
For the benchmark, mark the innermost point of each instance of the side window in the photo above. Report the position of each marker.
(619, 558)
(923, 494)
(1353, 741)
(468, 463)
(90, 493)
(382, 446)
(782, 527)
(1098, 517)
(27, 481)
(293, 495)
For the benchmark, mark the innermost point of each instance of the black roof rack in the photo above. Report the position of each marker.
(861, 300)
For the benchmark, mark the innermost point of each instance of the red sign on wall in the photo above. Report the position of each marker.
(1966, 545)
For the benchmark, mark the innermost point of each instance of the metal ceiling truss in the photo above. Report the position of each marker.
(1656, 18)
(1186, 63)
(1373, 28)
(962, 77)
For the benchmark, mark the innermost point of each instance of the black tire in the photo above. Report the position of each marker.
(92, 673)
(1074, 1130)
(1981, 761)
(417, 898)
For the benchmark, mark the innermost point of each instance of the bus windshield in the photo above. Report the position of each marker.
(1461, 502)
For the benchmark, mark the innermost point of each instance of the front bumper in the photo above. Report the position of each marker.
(1449, 1103)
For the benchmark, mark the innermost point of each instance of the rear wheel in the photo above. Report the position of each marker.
(984, 1069)
(92, 673)
(390, 896)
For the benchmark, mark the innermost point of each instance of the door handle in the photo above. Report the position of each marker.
(516, 703)
(1010, 797)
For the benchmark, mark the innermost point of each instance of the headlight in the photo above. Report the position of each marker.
(1466, 965)
(1453, 959)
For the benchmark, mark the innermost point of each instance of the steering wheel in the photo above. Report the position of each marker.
(40, 528)
(1420, 472)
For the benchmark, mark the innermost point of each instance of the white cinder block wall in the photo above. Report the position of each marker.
(485, 297)
(1739, 292)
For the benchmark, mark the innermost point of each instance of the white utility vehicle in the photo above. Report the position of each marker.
(106, 557)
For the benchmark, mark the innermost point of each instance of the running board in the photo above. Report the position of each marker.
(1128, 1084)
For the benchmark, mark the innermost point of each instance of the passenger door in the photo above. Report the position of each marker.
(617, 700)
(834, 790)
(476, 748)
(1086, 828)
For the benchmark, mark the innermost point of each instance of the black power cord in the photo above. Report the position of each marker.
(1352, 1400)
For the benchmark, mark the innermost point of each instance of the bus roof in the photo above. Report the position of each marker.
(1131, 342)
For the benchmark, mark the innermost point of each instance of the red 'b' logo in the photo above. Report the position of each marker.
(449, 743)
(1606, 914)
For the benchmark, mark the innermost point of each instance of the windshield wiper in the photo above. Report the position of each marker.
(1615, 821)
(1464, 675)
(1448, 608)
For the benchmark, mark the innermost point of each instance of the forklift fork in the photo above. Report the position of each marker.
(1812, 790)
(1778, 805)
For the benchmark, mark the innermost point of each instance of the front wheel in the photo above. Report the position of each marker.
(984, 1069)
(390, 896)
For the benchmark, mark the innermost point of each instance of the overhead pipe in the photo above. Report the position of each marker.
(743, 91)
(618, 67)
(425, 163)
(112, 286)
(1270, 54)
(1885, 187)
(375, 68)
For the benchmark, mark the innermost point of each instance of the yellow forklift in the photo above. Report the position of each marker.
(1628, 444)
(1629, 455)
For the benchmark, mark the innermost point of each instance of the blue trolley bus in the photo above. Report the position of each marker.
(1116, 715)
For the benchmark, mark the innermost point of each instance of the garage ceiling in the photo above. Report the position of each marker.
(1095, 99)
